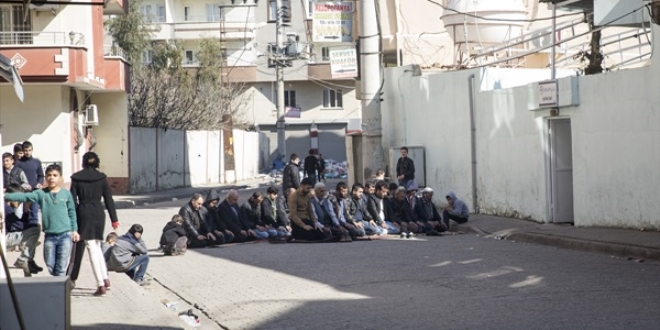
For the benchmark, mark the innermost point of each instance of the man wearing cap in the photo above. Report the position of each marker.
(428, 213)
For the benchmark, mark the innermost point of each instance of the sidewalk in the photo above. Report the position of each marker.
(129, 201)
(629, 243)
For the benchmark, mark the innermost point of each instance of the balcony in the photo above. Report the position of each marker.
(41, 39)
(115, 7)
(191, 28)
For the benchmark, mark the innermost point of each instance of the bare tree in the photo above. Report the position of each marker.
(164, 93)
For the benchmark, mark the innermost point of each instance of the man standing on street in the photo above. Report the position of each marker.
(291, 174)
(311, 166)
(405, 168)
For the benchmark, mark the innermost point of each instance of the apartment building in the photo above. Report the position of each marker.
(75, 86)
(320, 108)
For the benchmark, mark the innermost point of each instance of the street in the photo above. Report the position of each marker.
(449, 282)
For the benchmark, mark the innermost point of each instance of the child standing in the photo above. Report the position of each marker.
(174, 241)
(58, 217)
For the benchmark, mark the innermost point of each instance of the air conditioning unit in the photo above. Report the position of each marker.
(44, 6)
(92, 115)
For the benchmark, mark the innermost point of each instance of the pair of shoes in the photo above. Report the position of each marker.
(34, 268)
(24, 266)
(106, 284)
(403, 235)
(100, 292)
(143, 282)
(410, 234)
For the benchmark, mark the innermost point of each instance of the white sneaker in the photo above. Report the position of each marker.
(410, 234)
(403, 235)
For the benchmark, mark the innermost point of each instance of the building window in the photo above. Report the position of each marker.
(147, 12)
(272, 11)
(160, 13)
(186, 13)
(290, 99)
(12, 28)
(332, 98)
(325, 54)
(213, 12)
(189, 59)
(147, 56)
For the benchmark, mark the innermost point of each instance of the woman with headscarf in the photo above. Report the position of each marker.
(88, 186)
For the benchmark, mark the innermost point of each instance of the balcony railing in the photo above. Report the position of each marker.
(42, 38)
(113, 50)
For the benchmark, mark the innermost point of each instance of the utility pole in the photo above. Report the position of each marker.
(370, 78)
(279, 73)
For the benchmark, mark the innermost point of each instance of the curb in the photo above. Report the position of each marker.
(616, 249)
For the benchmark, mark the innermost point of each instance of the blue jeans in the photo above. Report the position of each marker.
(283, 232)
(57, 251)
(391, 229)
(373, 230)
(138, 268)
(263, 234)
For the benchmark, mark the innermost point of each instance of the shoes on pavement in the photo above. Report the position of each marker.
(143, 282)
(24, 266)
(34, 268)
(100, 292)
(410, 234)
(106, 284)
(403, 234)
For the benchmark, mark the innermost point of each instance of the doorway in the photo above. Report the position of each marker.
(561, 170)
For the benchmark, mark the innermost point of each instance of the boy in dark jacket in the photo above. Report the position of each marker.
(173, 241)
(215, 223)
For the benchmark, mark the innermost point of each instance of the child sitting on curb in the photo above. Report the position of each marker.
(173, 241)
(128, 254)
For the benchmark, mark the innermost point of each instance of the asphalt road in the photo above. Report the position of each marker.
(450, 282)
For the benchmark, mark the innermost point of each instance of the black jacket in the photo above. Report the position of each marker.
(195, 223)
(171, 233)
(267, 208)
(251, 215)
(398, 211)
(311, 164)
(405, 167)
(426, 211)
(290, 177)
(234, 221)
(373, 208)
(215, 222)
(14, 177)
(352, 206)
(87, 188)
(282, 211)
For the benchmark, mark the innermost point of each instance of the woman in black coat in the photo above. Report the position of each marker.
(87, 187)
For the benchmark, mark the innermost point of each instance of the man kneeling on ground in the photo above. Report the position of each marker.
(456, 210)
(303, 220)
(196, 218)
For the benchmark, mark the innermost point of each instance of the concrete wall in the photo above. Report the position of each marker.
(112, 133)
(164, 159)
(615, 131)
(44, 119)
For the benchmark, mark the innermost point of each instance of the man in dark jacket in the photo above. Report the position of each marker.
(428, 214)
(13, 174)
(376, 206)
(216, 224)
(335, 206)
(31, 166)
(356, 212)
(405, 168)
(230, 213)
(271, 215)
(311, 166)
(398, 211)
(291, 174)
(195, 219)
(251, 210)
(88, 187)
(19, 229)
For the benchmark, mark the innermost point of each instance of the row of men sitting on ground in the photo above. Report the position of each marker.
(308, 214)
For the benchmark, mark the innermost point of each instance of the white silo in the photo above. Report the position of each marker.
(477, 24)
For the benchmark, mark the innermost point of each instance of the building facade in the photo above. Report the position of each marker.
(320, 108)
(75, 86)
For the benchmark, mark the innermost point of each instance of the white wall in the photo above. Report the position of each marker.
(112, 133)
(615, 130)
(44, 119)
(165, 159)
